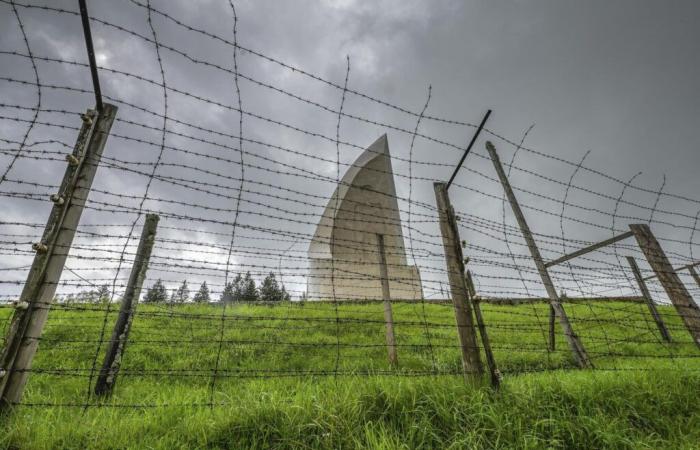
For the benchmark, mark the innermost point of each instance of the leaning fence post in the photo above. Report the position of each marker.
(22, 338)
(471, 361)
(120, 335)
(574, 342)
(485, 342)
(386, 296)
(649, 301)
(676, 291)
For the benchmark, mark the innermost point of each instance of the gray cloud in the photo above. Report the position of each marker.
(616, 79)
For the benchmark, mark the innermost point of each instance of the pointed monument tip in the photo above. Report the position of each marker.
(385, 139)
(382, 141)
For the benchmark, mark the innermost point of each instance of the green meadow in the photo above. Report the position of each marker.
(315, 375)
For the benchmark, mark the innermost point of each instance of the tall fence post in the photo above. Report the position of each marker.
(471, 361)
(386, 296)
(120, 335)
(694, 274)
(22, 338)
(676, 291)
(649, 301)
(485, 342)
(577, 349)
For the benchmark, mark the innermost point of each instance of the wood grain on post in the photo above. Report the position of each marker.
(649, 301)
(386, 296)
(676, 291)
(120, 335)
(24, 332)
(485, 342)
(471, 360)
(575, 344)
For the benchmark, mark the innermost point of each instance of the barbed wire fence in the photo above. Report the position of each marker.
(543, 263)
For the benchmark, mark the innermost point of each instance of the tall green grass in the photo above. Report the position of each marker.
(643, 393)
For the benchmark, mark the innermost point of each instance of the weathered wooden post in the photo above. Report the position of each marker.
(471, 361)
(552, 336)
(37, 296)
(485, 342)
(676, 291)
(577, 348)
(386, 296)
(120, 335)
(648, 300)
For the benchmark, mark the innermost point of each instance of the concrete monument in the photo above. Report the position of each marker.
(343, 254)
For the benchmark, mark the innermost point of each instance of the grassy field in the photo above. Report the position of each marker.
(316, 376)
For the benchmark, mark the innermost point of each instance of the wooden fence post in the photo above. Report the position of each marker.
(22, 339)
(386, 295)
(120, 335)
(471, 361)
(490, 360)
(577, 348)
(552, 337)
(676, 291)
(649, 301)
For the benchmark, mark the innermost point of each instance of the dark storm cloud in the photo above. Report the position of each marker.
(618, 79)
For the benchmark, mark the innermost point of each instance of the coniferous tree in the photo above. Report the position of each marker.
(182, 294)
(156, 293)
(249, 293)
(270, 290)
(237, 288)
(228, 294)
(202, 295)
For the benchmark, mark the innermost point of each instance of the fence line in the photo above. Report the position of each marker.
(239, 153)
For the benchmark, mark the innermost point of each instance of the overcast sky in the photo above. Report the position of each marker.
(618, 79)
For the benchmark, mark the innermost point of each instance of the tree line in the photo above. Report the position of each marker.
(241, 289)
(101, 294)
